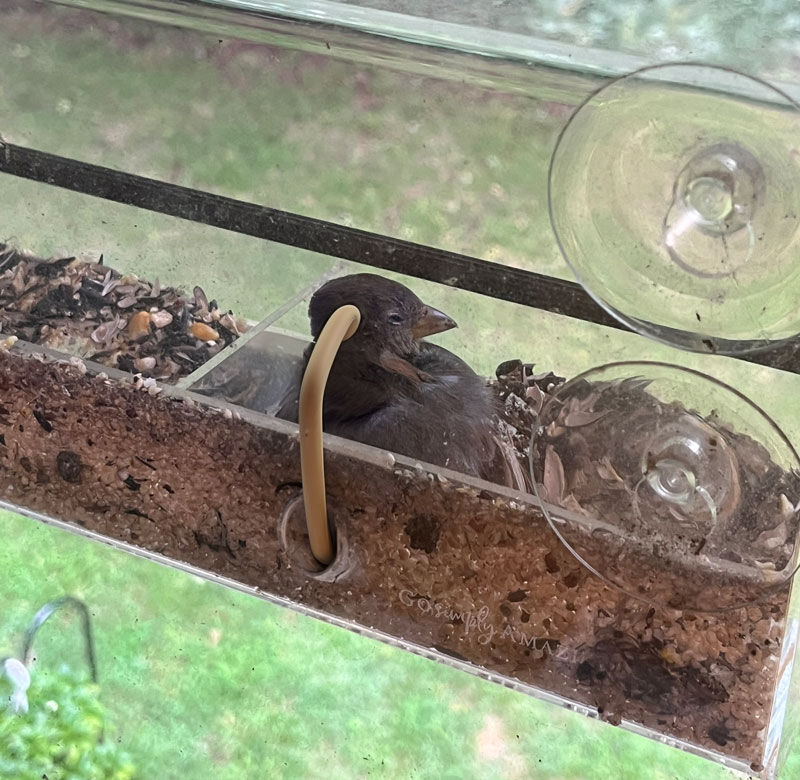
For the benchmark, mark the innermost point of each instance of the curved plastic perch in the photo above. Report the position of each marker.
(342, 324)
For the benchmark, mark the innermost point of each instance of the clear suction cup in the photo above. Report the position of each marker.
(674, 194)
(670, 485)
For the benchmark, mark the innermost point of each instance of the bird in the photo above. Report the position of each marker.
(391, 389)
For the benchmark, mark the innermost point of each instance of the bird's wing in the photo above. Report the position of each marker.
(441, 363)
(445, 417)
(515, 476)
(288, 407)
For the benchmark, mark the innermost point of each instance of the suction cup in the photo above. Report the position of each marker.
(669, 485)
(674, 194)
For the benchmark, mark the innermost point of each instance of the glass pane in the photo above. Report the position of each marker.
(759, 39)
(397, 153)
(446, 148)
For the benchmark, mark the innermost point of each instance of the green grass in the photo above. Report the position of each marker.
(202, 682)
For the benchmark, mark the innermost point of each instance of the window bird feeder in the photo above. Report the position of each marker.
(646, 576)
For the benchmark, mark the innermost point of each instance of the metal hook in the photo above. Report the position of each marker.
(44, 613)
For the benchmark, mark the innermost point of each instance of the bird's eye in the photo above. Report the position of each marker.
(395, 319)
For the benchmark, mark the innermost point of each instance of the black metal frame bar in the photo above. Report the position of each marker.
(316, 235)
(464, 272)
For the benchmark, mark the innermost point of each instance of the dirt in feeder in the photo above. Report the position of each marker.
(121, 321)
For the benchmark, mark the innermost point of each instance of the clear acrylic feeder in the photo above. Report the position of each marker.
(644, 579)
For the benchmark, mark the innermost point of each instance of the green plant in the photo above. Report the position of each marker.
(60, 737)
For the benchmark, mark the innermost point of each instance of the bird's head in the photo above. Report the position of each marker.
(393, 319)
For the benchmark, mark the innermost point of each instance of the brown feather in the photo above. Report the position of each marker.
(397, 365)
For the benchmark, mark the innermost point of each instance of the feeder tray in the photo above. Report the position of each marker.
(458, 569)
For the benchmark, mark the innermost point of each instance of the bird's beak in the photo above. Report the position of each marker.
(431, 321)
